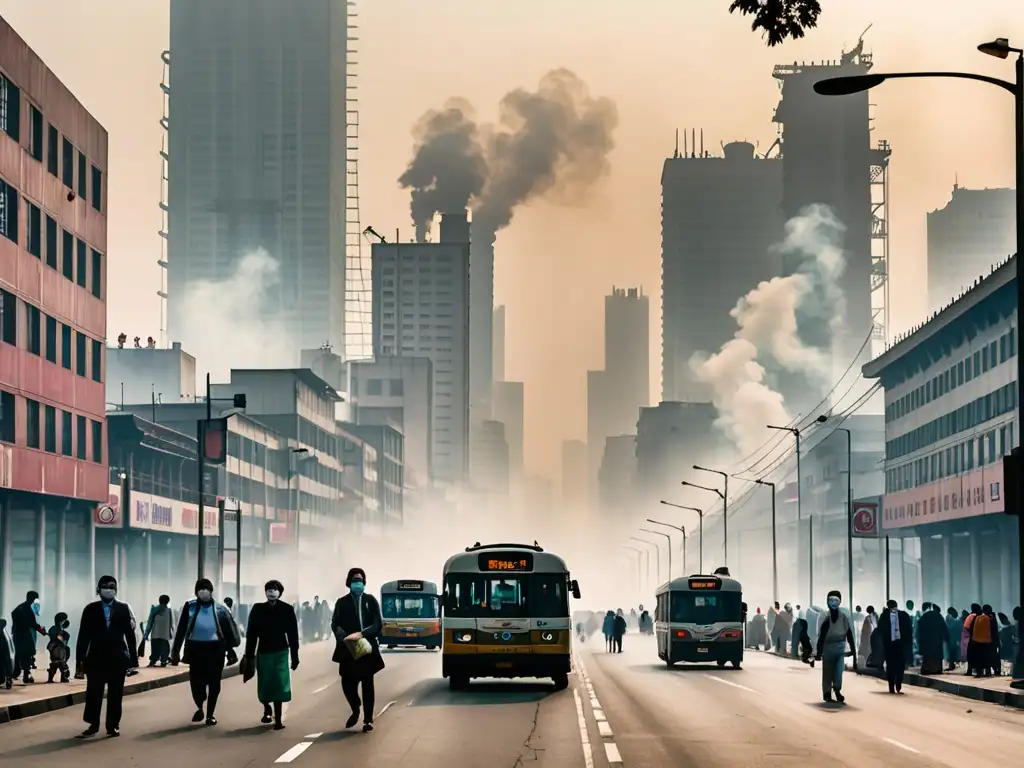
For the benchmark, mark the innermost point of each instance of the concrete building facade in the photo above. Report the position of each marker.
(135, 375)
(53, 265)
(574, 474)
(388, 444)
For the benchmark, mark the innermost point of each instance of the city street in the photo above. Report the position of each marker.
(770, 713)
(493, 723)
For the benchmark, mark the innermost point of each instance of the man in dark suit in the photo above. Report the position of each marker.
(897, 632)
(106, 650)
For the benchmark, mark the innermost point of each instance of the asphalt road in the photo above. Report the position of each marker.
(770, 713)
(419, 722)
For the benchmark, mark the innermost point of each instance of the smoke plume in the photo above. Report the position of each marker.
(553, 141)
(770, 319)
(236, 322)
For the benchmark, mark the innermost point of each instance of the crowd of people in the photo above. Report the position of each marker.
(613, 625)
(205, 635)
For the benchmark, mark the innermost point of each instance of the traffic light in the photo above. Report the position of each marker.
(1012, 465)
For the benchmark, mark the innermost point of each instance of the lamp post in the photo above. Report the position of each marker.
(639, 587)
(682, 530)
(720, 495)
(1001, 49)
(700, 532)
(849, 503)
(775, 544)
(295, 502)
(725, 507)
(657, 556)
(659, 533)
(799, 518)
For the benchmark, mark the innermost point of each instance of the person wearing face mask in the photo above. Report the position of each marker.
(24, 628)
(6, 657)
(357, 618)
(836, 631)
(897, 631)
(59, 648)
(208, 632)
(104, 653)
(271, 637)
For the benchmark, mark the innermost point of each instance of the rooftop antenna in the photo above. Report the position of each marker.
(702, 142)
(693, 142)
(685, 153)
(675, 155)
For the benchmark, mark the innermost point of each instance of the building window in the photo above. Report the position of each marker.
(8, 211)
(97, 442)
(51, 243)
(35, 231)
(68, 255)
(374, 386)
(34, 331)
(68, 164)
(395, 387)
(96, 284)
(82, 264)
(81, 439)
(97, 360)
(83, 180)
(52, 142)
(8, 318)
(65, 346)
(97, 188)
(35, 145)
(80, 353)
(50, 429)
(7, 433)
(10, 108)
(31, 423)
(66, 438)
(51, 339)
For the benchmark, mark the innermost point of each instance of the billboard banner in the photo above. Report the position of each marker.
(865, 517)
(156, 513)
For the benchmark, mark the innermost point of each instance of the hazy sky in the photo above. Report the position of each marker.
(667, 64)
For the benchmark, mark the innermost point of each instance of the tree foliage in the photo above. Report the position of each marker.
(779, 19)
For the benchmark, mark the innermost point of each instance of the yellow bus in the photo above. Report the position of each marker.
(505, 613)
(411, 614)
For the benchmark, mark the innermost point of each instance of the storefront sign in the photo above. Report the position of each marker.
(865, 517)
(155, 513)
(108, 514)
(954, 498)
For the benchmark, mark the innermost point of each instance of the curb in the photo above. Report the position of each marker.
(62, 701)
(1006, 698)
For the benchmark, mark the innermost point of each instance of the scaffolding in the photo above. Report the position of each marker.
(165, 88)
(358, 292)
(879, 174)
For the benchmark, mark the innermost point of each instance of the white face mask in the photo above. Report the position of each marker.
(273, 594)
(204, 595)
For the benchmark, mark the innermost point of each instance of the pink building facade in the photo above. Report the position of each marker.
(53, 243)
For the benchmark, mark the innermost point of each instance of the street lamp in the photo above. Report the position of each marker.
(706, 488)
(700, 533)
(1001, 49)
(682, 530)
(849, 501)
(657, 556)
(725, 506)
(775, 544)
(659, 533)
(639, 587)
(799, 517)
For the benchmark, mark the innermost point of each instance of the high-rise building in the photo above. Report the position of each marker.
(671, 437)
(976, 229)
(616, 393)
(421, 309)
(507, 397)
(719, 217)
(574, 473)
(481, 321)
(498, 351)
(258, 123)
(54, 481)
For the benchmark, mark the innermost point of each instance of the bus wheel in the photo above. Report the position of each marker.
(458, 682)
(561, 681)
(669, 663)
(431, 647)
(721, 663)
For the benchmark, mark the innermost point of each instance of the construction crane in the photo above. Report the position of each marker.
(371, 231)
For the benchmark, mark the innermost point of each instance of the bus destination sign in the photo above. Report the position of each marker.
(410, 586)
(709, 582)
(514, 562)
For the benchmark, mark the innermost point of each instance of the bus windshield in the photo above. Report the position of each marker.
(706, 607)
(409, 606)
(483, 595)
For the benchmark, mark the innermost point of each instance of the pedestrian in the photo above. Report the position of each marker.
(160, 631)
(104, 653)
(59, 648)
(966, 650)
(356, 625)
(6, 657)
(783, 629)
(982, 643)
(209, 634)
(954, 629)
(802, 643)
(618, 630)
(897, 631)
(932, 635)
(1007, 649)
(836, 631)
(758, 631)
(24, 627)
(608, 628)
(271, 638)
(794, 635)
(867, 628)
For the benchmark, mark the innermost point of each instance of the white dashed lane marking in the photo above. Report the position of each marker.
(588, 753)
(323, 688)
(900, 745)
(611, 752)
(604, 729)
(729, 682)
(611, 749)
(294, 752)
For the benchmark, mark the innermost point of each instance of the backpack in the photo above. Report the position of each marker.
(58, 652)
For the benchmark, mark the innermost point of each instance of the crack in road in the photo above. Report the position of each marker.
(521, 759)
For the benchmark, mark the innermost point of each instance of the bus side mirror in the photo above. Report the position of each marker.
(574, 587)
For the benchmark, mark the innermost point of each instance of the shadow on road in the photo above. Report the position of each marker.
(166, 732)
(50, 747)
(484, 692)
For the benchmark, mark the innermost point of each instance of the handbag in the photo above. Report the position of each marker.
(359, 648)
(247, 666)
(142, 649)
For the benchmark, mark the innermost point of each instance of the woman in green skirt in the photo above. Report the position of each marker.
(271, 638)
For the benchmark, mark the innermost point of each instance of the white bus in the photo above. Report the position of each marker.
(505, 613)
(700, 619)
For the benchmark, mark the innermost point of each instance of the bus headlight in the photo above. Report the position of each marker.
(461, 636)
(549, 637)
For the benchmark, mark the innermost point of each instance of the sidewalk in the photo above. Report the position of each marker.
(994, 690)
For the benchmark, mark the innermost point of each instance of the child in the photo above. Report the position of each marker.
(59, 648)
(6, 657)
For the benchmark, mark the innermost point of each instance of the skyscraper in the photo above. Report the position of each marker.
(257, 155)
